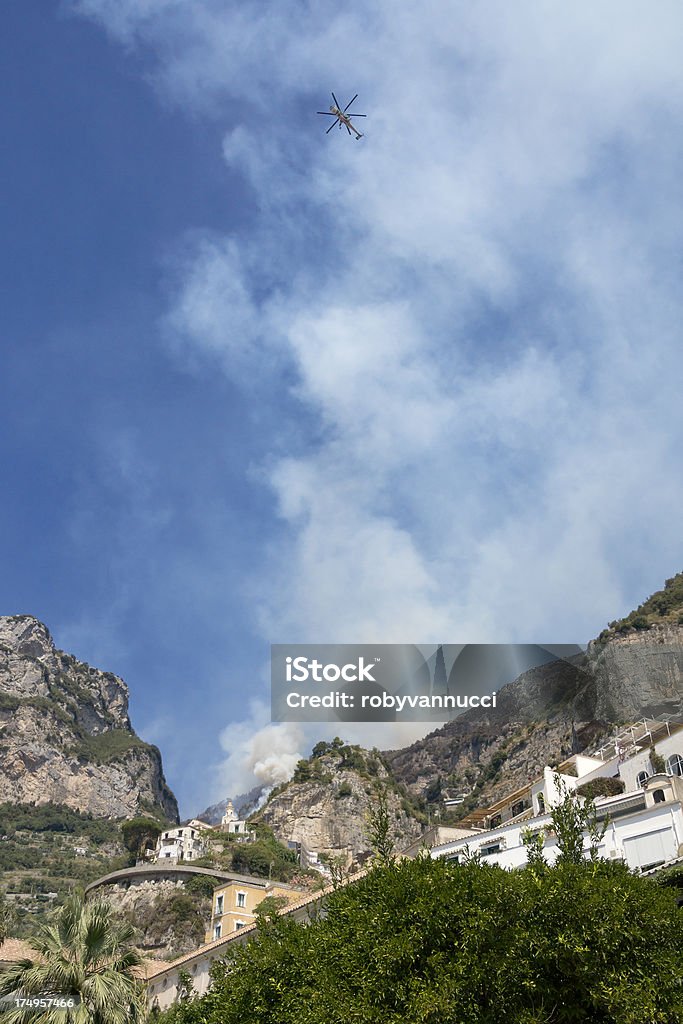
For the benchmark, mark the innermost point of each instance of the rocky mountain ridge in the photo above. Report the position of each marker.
(65, 734)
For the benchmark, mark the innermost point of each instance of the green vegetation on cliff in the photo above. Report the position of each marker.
(663, 608)
(46, 852)
(329, 758)
(264, 857)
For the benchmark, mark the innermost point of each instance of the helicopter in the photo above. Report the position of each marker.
(341, 117)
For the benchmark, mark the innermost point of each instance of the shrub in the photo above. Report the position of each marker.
(202, 885)
(601, 787)
(423, 940)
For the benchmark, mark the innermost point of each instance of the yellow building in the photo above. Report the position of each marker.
(235, 903)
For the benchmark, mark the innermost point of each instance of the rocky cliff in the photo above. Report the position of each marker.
(65, 734)
(638, 674)
(327, 805)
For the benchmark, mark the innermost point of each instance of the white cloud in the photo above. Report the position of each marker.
(475, 304)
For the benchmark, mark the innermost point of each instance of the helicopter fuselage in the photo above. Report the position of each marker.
(346, 120)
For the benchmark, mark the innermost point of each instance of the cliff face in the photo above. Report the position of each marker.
(639, 674)
(329, 810)
(65, 734)
(168, 919)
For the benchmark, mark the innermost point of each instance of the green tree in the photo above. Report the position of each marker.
(138, 833)
(379, 828)
(439, 943)
(6, 918)
(186, 990)
(571, 818)
(534, 842)
(657, 761)
(87, 954)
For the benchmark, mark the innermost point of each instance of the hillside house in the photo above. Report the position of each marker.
(235, 903)
(162, 988)
(182, 842)
(645, 827)
(232, 823)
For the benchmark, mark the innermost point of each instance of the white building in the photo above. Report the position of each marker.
(645, 822)
(231, 823)
(183, 842)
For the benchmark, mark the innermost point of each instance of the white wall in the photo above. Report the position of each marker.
(641, 839)
(628, 770)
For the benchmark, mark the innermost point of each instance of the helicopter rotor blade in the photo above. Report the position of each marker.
(336, 101)
(358, 115)
(330, 128)
(348, 129)
(350, 102)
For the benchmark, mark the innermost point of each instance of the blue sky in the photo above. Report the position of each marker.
(266, 385)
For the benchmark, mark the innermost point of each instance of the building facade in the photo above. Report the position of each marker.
(235, 902)
(182, 843)
(644, 822)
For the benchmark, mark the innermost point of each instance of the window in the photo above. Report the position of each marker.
(238, 925)
(541, 804)
(674, 765)
(494, 846)
(217, 929)
(658, 796)
(641, 778)
(219, 904)
(517, 808)
(241, 899)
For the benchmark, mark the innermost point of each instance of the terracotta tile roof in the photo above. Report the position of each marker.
(12, 950)
(148, 968)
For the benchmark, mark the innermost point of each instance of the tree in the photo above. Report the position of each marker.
(85, 954)
(441, 943)
(6, 918)
(571, 818)
(138, 833)
(379, 828)
(185, 987)
(533, 842)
